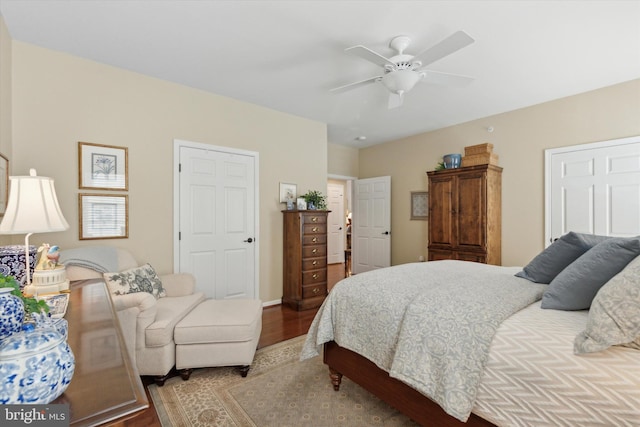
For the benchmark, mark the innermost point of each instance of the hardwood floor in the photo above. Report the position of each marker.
(279, 323)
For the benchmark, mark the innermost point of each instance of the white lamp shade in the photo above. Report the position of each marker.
(33, 206)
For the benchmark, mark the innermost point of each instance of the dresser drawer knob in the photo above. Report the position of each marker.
(315, 276)
(315, 239)
(314, 229)
(314, 219)
(314, 262)
(314, 251)
(316, 290)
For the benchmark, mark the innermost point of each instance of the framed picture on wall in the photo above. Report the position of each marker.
(419, 205)
(103, 216)
(102, 167)
(287, 192)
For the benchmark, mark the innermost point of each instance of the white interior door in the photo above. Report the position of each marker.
(371, 224)
(593, 188)
(217, 218)
(335, 223)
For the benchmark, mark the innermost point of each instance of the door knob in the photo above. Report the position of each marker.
(386, 233)
(249, 240)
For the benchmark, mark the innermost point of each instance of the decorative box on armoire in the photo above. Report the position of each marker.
(305, 258)
(465, 214)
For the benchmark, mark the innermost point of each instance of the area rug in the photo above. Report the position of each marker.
(279, 391)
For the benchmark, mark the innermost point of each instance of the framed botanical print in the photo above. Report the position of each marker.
(102, 167)
(419, 205)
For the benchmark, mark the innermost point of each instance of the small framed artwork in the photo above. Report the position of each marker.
(287, 192)
(419, 205)
(301, 204)
(102, 167)
(4, 184)
(103, 216)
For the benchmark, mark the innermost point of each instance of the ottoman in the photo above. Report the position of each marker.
(218, 333)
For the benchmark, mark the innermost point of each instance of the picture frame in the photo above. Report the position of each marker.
(419, 205)
(4, 184)
(288, 191)
(103, 216)
(102, 167)
(301, 204)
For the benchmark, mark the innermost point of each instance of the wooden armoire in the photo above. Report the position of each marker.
(465, 214)
(304, 259)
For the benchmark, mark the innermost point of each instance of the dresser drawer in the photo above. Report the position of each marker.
(314, 219)
(314, 251)
(314, 276)
(314, 290)
(314, 229)
(314, 239)
(313, 264)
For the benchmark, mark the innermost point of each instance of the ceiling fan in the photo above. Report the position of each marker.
(403, 71)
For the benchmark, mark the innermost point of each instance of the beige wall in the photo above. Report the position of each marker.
(519, 138)
(60, 99)
(5, 100)
(343, 161)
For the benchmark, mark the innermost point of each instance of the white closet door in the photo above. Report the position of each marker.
(593, 188)
(217, 221)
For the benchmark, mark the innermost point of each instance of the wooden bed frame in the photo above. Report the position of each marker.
(407, 400)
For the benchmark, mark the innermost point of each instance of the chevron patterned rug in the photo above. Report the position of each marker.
(279, 391)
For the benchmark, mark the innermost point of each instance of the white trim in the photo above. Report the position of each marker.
(179, 143)
(343, 177)
(271, 303)
(548, 153)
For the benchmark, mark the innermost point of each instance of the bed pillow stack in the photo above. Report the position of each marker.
(559, 255)
(577, 265)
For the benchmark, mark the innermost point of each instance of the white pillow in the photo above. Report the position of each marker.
(138, 279)
(614, 317)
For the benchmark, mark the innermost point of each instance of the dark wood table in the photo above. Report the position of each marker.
(106, 387)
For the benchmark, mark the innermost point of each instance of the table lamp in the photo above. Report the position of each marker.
(32, 208)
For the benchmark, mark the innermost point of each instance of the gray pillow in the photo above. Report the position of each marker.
(558, 255)
(614, 317)
(576, 286)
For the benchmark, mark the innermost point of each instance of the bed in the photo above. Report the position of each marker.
(461, 343)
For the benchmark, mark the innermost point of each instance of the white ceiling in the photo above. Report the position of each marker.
(286, 55)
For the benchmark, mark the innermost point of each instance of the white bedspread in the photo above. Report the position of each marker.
(532, 378)
(427, 324)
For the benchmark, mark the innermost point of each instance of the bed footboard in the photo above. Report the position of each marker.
(410, 402)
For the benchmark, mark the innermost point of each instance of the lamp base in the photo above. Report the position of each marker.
(48, 282)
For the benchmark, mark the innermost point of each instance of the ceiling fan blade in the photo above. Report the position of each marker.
(395, 100)
(451, 44)
(369, 55)
(446, 79)
(355, 84)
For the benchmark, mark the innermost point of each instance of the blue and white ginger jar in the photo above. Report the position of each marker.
(11, 313)
(36, 366)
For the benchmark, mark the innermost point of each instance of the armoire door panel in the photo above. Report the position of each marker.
(471, 210)
(440, 209)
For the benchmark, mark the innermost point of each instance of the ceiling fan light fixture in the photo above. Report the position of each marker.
(401, 81)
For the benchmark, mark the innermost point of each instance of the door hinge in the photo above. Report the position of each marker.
(179, 235)
(179, 167)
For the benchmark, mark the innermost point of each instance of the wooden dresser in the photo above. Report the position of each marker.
(465, 214)
(305, 259)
